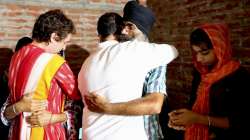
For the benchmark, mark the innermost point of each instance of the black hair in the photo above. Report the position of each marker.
(198, 37)
(53, 21)
(110, 23)
(22, 42)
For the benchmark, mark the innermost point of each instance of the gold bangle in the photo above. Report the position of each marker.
(209, 121)
(14, 110)
(67, 116)
(50, 118)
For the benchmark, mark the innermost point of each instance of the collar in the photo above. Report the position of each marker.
(107, 43)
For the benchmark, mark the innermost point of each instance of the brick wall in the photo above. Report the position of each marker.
(18, 16)
(175, 21)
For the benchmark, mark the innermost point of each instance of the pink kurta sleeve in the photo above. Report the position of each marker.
(67, 82)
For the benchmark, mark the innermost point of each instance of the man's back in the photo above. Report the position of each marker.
(117, 71)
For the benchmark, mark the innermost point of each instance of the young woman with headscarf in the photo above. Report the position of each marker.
(220, 90)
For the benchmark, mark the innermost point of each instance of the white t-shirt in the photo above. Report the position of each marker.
(117, 72)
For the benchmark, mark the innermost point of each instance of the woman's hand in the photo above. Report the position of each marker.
(176, 127)
(40, 118)
(27, 104)
(182, 117)
(171, 124)
(43, 118)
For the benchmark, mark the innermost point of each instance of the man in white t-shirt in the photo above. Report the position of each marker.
(117, 71)
(138, 21)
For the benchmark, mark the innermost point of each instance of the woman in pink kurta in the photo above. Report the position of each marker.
(37, 69)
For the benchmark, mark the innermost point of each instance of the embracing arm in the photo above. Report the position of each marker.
(26, 104)
(43, 118)
(150, 104)
(67, 82)
(13, 110)
(39, 117)
(62, 117)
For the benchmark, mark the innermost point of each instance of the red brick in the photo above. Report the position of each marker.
(176, 20)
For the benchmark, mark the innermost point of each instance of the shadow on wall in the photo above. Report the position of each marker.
(5, 57)
(75, 56)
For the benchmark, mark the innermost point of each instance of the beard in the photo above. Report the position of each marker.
(123, 38)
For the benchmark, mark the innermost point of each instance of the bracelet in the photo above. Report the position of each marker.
(209, 121)
(50, 118)
(14, 110)
(67, 116)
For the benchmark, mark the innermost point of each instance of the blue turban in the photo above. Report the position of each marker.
(139, 15)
